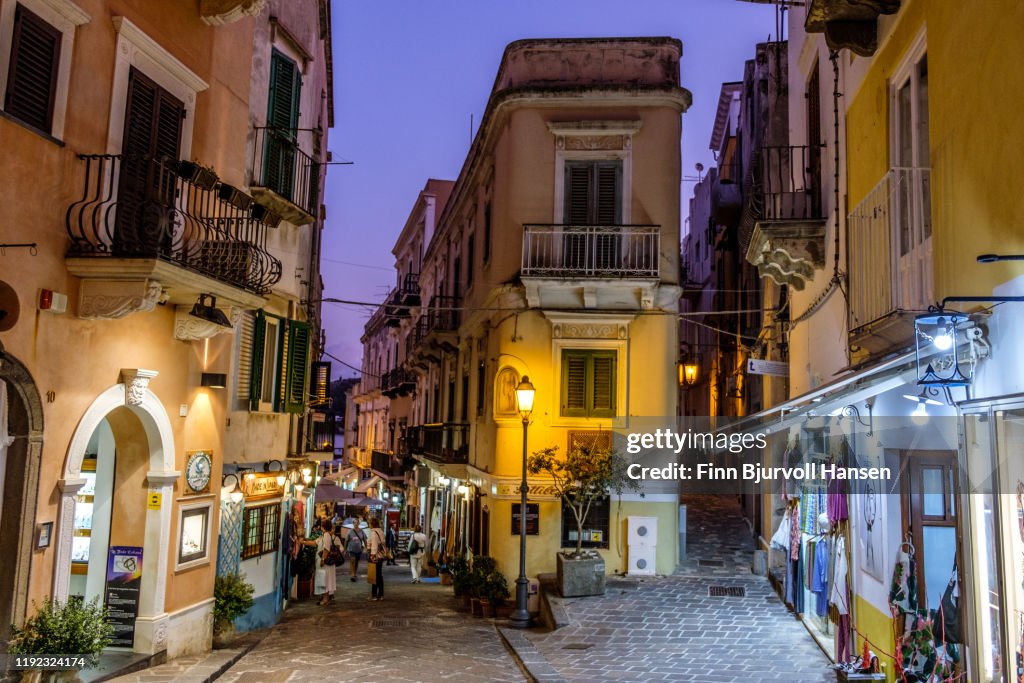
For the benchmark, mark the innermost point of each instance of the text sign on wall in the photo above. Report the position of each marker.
(263, 485)
(532, 518)
(124, 579)
(767, 367)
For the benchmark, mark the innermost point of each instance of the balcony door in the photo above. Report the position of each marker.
(593, 207)
(144, 223)
(911, 183)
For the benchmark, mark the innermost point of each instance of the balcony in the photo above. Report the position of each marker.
(435, 331)
(401, 299)
(446, 442)
(787, 243)
(591, 266)
(149, 228)
(398, 382)
(387, 464)
(890, 260)
(284, 178)
(849, 24)
(320, 437)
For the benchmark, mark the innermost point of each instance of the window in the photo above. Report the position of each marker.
(931, 508)
(593, 193)
(282, 122)
(260, 530)
(588, 383)
(814, 134)
(297, 373)
(487, 232)
(194, 535)
(278, 367)
(595, 529)
(470, 258)
(32, 74)
(481, 370)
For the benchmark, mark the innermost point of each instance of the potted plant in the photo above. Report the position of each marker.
(304, 568)
(201, 176)
(232, 597)
(584, 476)
(494, 593)
(483, 567)
(458, 569)
(232, 195)
(72, 627)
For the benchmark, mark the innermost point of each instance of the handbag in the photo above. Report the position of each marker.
(371, 573)
(333, 556)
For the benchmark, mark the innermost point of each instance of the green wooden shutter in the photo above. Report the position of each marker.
(297, 374)
(574, 383)
(256, 366)
(282, 120)
(602, 384)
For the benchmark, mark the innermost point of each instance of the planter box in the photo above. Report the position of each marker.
(580, 576)
(478, 610)
(504, 610)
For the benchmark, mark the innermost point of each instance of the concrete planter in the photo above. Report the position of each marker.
(582, 575)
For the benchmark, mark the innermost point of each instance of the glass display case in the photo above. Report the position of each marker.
(82, 527)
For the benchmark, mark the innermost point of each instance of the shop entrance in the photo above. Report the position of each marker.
(21, 443)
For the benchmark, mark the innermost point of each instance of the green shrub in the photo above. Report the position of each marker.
(232, 596)
(57, 628)
(495, 587)
(458, 567)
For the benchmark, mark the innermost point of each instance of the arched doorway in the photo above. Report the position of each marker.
(21, 447)
(127, 436)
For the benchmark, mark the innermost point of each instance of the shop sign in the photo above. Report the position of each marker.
(261, 486)
(537, 491)
(767, 367)
(532, 518)
(124, 580)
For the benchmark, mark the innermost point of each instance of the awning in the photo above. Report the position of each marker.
(447, 469)
(364, 486)
(871, 381)
(327, 491)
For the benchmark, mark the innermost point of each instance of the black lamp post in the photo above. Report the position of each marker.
(520, 618)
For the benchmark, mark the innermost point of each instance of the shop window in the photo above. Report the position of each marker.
(261, 530)
(595, 528)
(588, 383)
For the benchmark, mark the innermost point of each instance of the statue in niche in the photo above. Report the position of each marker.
(507, 381)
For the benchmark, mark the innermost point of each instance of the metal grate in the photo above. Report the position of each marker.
(727, 592)
(711, 563)
(578, 646)
(389, 623)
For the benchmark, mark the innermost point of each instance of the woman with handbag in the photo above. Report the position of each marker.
(377, 547)
(328, 557)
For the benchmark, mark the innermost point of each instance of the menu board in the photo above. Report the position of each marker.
(532, 519)
(124, 579)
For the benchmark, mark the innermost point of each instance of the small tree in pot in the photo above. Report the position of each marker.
(63, 628)
(232, 597)
(582, 478)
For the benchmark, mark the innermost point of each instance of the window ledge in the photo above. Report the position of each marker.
(29, 127)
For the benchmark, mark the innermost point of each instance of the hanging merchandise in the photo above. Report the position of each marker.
(780, 541)
(838, 595)
(947, 617)
(837, 503)
(903, 592)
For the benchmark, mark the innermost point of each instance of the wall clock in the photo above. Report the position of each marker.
(198, 471)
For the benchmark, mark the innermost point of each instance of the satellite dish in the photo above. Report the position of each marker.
(9, 307)
(699, 166)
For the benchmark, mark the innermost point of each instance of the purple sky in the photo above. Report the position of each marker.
(408, 76)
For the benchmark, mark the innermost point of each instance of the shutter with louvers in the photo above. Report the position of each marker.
(320, 381)
(608, 211)
(282, 120)
(246, 329)
(603, 385)
(145, 193)
(574, 384)
(32, 76)
(256, 366)
(577, 212)
(296, 378)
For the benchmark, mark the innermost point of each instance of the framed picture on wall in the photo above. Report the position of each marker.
(43, 533)
(194, 534)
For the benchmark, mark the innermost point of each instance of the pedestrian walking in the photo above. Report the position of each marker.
(417, 549)
(326, 560)
(355, 542)
(377, 547)
(392, 544)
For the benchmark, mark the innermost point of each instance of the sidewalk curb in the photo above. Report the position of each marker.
(538, 669)
(249, 647)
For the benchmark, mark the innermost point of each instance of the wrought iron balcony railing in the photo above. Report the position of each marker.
(446, 442)
(280, 165)
(591, 251)
(320, 438)
(791, 183)
(397, 382)
(388, 464)
(141, 207)
(889, 247)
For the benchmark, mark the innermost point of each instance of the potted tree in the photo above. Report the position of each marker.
(232, 597)
(483, 567)
(494, 594)
(584, 476)
(72, 627)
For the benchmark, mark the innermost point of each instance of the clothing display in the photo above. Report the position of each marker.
(794, 532)
(836, 500)
(903, 592)
(819, 577)
(780, 541)
(839, 594)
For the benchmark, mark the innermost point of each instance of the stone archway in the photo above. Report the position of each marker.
(24, 450)
(134, 395)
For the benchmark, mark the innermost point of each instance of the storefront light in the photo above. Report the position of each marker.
(443, 481)
(306, 478)
(306, 471)
(462, 489)
(298, 488)
(236, 497)
(920, 414)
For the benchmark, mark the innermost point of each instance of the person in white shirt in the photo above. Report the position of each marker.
(417, 549)
(376, 545)
(323, 545)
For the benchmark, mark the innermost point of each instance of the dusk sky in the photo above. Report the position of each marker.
(409, 75)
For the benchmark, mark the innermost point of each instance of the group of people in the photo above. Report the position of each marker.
(339, 544)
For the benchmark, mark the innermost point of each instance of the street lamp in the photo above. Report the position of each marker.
(520, 618)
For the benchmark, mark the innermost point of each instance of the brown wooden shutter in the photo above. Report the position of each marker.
(603, 373)
(607, 208)
(577, 193)
(32, 77)
(574, 383)
(246, 332)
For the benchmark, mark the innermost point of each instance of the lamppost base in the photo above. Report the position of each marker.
(517, 620)
(520, 617)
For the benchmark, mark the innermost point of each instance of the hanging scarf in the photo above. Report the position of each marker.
(903, 591)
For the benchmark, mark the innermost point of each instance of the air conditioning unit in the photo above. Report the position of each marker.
(642, 531)
(641, 560)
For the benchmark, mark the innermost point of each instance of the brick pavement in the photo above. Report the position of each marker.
(414, 634)
(670, 629)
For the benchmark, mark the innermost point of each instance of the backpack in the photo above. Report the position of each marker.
(333, 556)
(354, 545)
(414, 546)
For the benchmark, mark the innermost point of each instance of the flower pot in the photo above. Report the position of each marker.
(198, 175)
(583, 575)
(467, 602)
(446, 578)
(486, 607)
(477, 608)
(223, 635)
(234, 196)
(266, 216)
(503, 609)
